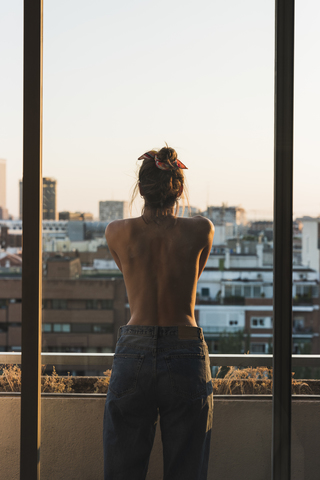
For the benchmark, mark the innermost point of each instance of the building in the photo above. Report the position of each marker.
(113, 210)
(260, 226)
(3, 186)
(11, 261)
(4, 214)
(225, 214)
(10, 238)
(79, 314)
(188, 211)
(49, 197)
(235, 297)
(223, 232)
(59, 266)
(75, 216)
(311, 243)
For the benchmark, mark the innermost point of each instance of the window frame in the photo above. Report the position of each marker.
(32, 248)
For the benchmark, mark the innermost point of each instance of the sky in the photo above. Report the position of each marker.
(121, 78)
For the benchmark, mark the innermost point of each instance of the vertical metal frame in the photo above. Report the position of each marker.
(32, 247)
(282, 296)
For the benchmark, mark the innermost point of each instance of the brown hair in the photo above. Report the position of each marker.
(161, 189)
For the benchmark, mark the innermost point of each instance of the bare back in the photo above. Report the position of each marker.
(161, 263)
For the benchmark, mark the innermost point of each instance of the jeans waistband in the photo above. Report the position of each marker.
(182, 332)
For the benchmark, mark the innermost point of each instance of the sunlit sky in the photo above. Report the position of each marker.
(123, 77)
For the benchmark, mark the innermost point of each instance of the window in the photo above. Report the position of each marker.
(261, 322)
(106, 350)
(3, 327)
(228, 291)
(298, 325)
(258, 348)
(106, 304)
(59, 304)
(15, 349)
(46, 304)
(256, 292)
(237, 291)
(77, 328)
(81, 328)
(103, 328)
(232, 102)
(76, 304)
(205, 292)
(247, 291)
(307, 291)
(61, 327)
(91, 304)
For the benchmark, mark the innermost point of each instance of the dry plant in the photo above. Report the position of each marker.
(251, 380)
(237, 381)
(102, 383)
(55, 384)
(10, 381)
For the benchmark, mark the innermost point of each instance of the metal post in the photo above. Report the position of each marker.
(32, 248)
(283, 175)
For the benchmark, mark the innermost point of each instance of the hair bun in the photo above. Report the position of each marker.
(167, 155)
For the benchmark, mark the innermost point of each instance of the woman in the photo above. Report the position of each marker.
(161, 363)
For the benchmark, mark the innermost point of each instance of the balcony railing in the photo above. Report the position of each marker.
(303, 300)
(106, 359)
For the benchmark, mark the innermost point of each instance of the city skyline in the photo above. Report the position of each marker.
(124, 88)
(135, 210)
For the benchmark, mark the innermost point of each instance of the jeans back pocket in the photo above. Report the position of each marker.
(189, 374)
(125, 372)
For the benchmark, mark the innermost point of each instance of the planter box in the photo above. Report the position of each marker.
(240, 446)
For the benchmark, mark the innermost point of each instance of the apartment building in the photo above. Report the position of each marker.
(235, 294)
(80, 314)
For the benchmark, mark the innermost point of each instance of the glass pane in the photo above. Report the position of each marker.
(123, 78)
(247, 291)
(306, 230)
(306, 209)
(11, 117)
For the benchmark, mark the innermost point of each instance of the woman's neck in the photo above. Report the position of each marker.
(157, 214)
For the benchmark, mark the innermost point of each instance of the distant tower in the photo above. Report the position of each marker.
(113, 210)
(2, 183)
(49, 199)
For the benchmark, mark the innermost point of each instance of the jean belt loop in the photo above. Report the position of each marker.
(119, 333)
(156, 332)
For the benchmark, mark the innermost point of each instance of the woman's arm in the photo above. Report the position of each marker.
(111, 235)
(207, 249)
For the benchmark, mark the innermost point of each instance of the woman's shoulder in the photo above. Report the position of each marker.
(118, 227)
(198, 221)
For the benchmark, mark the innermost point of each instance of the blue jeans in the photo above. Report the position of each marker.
(163, 370)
